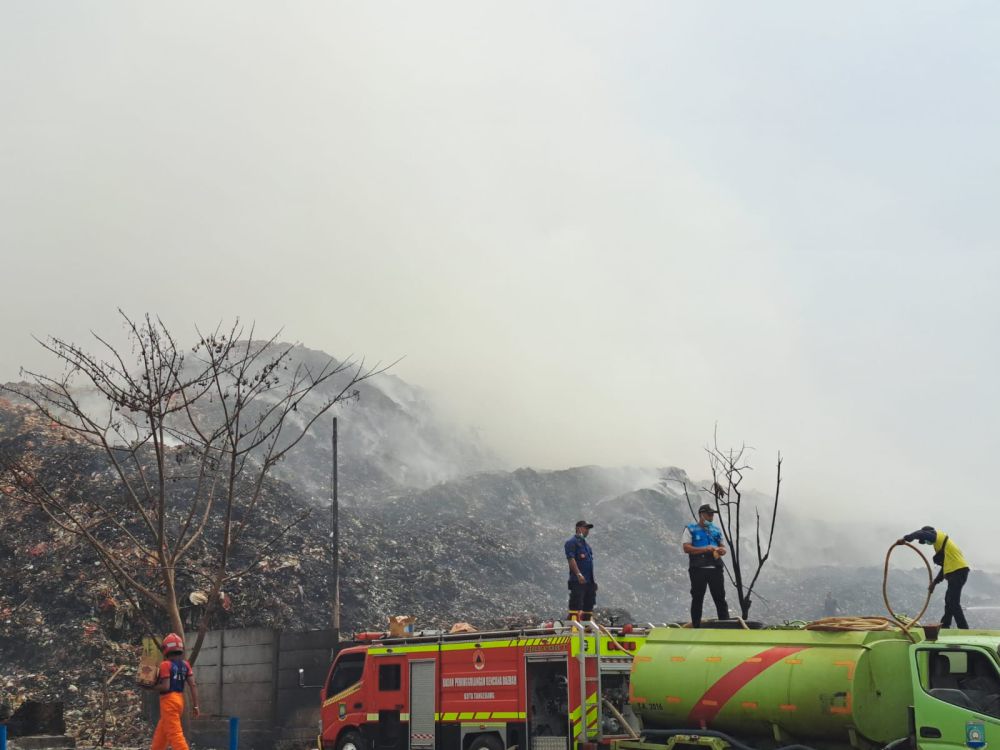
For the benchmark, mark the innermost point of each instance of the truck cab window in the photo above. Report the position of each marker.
(963, 678)
(389, 677)
(347, 672)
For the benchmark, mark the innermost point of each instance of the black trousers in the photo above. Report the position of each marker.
(711, 579)
(581, 600)
(953, 599)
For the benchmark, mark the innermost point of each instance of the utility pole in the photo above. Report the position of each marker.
(335, 534)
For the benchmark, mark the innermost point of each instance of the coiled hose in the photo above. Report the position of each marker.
(836, 624)
(906, 624)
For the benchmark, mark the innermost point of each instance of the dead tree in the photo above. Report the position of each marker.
(728, 469)
(191, 437)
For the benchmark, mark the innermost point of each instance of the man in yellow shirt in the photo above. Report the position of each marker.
(954, 570)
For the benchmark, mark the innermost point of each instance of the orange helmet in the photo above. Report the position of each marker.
(172, 642)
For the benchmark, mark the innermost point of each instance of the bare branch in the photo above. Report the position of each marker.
(729, 468)
(190, 436)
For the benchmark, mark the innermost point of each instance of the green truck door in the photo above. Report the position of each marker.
(956, 697)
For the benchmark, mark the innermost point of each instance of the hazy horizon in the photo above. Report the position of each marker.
(592, 232)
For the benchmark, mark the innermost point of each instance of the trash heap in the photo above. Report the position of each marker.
(484, 549)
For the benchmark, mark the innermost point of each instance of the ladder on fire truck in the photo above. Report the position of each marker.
(590, 685)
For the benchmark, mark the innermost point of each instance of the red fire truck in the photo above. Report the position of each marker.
(557, 688)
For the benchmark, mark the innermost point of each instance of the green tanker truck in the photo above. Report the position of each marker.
(826, 690)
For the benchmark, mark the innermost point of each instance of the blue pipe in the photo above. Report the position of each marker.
(3, 737)
(234, 733)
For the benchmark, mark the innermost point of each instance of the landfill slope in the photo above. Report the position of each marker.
(484, 548)
(390, 435)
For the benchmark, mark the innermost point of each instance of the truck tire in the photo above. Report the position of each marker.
(486, 742)
(350, 740)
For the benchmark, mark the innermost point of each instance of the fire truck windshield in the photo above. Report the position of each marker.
(347, 672)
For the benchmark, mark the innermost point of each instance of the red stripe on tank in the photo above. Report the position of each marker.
(715, 698)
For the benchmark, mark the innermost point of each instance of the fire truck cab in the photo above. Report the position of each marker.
(559, 688)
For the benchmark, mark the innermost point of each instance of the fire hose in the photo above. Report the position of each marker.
(621, 719)
(836, 624)
(906, 625)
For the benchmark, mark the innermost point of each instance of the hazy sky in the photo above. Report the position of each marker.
(593, 230)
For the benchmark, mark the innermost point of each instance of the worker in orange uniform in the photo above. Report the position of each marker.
(175, 674)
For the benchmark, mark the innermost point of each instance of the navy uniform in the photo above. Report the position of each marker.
(705, 568)
(579, 555)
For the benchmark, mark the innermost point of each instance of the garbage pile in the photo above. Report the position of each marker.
(485, 549)
(68, 632)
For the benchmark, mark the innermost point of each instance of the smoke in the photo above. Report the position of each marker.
(593, 234)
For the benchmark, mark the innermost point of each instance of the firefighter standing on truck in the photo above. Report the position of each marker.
(704, 546)
(954, 570)
(175, 674)
(582, 586)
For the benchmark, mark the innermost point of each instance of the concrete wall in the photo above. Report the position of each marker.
(297, 708)
(254, 674)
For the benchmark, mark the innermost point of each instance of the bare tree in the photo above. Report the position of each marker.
(191, 437)
(728, 469)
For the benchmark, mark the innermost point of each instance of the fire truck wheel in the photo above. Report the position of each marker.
(351, 741)
(486, 742)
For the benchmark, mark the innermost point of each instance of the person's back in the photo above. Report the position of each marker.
(947, 554)
(952, 558)
(176, 671)
(175, 675)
